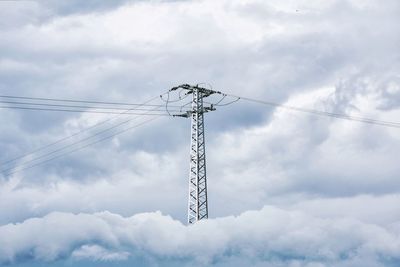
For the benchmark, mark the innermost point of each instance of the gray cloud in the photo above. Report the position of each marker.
(77, 7)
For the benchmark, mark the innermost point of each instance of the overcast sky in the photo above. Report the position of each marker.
(285, 188)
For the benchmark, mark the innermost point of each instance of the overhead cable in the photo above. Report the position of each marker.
(82, 111)
(75, 106)
(322, 113)
(74, 100)
(82, 147)
(103, 122)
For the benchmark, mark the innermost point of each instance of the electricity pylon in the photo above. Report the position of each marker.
(198, 203)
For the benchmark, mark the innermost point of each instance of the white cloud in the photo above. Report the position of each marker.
(269, 236)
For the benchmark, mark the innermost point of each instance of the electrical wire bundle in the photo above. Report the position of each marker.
(126, 116)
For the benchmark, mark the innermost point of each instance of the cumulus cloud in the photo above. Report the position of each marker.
(268, 237)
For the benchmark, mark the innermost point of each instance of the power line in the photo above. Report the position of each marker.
(75, 143)
(226, 104)
(74, 106)
(323, 113)
(78, 133)
(198, 199)
(151, 112)
(73, 100)
(80, 111)
(80, 141)
(82, 147)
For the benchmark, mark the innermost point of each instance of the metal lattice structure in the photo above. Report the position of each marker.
(198, 202)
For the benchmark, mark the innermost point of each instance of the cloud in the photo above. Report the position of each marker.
(268, 237)
(293, 156)
(127, 189)
(98, 253)
(332, 183)
(298, 162)
(73, 7)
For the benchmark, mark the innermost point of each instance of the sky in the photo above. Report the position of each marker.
(285, 188)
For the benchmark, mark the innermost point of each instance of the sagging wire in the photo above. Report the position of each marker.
(182, 96)
(166, 104)
(226, 104)
(168, 101)
(222, 98)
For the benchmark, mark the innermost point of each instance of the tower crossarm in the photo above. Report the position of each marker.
(190, 89)
(189, 113)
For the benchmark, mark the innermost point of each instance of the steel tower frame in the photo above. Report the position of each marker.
(198, 204)
(198, 200)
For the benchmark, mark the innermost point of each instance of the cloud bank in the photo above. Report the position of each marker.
(268, 237)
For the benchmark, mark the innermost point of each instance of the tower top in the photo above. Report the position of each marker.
(198, 93)
(191, 88)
